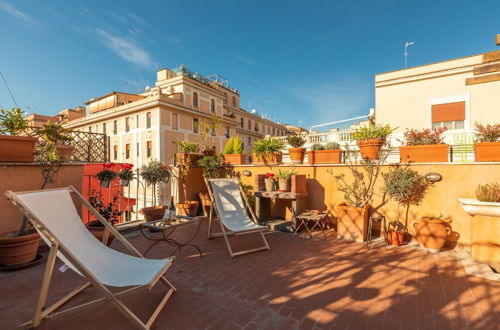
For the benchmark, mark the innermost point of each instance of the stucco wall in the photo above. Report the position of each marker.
(28, 177)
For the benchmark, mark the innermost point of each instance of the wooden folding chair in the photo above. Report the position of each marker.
(56, 219)
(231, 209)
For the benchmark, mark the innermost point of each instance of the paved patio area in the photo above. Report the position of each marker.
(300, 283)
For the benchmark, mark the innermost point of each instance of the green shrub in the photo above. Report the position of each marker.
(188, 147)
(405, 185)
(267, 146)
(211, 165)
(229, 147)
(237, 145)
(372, 132)
(12, 121)
(55, 134)
(317, 146)
(296, 141)
(331, 146)
(488, 192)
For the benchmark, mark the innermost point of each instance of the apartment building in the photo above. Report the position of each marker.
(453, 93)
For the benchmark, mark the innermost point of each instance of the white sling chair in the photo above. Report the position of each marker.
(226, 195)
(55, 217)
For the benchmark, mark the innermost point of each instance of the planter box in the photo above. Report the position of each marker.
(435, 153)
(272, 159)
(487, 151)
(17, 148)
(474, 207)
(297, 155)
(235, 159)
(323, 156)
(191, 159)
(352, 222)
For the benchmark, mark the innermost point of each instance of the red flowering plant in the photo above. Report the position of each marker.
(107, 173)
(269, 175)
(126, 172)
(487, 133)
(414, 137)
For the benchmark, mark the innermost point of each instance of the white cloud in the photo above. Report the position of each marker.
(21, 16)
(125, 48)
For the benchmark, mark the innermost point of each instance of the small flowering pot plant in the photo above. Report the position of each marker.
(269, 181)
(107, 174)
(126, 174)
(487, 146)
(424, 146)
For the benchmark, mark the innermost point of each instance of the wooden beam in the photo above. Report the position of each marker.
(489, 68)
(498, 39)
(491, 56)
(483, 79)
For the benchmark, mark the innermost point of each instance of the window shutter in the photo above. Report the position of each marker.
(448, 112)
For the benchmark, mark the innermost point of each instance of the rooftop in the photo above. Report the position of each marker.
(299, 283)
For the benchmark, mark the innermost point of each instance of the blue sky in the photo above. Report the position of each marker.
(308, 61)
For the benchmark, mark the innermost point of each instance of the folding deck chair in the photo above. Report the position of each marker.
(231, 209)
(55, 217)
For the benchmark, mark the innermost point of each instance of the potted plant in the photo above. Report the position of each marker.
(233, 151)
(424, 146)
(107, 174)
(188, 152)
(371, 138)
(207, 128)
(487, 202)
(15, 148)
(59, 137)
(126, 174)
(407, 187)
(269, 181)
(20, 248)
(358, 193)
(284, 177)
(267, 151)
(296, 151)
(109, 211)
(211, 167)
(187, 207)
(324, 154)
(487, 146)
(153, 174)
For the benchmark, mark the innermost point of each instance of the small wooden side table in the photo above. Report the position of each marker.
(263, 205)
(321, 220)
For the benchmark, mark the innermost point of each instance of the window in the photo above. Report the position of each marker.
(212, 131)
(175, 121)
(450, 115)
(90, 129)
(127, 124)
(256, 127)
(196, 125)
(228, 132)
(115, 127)
(249, 124)
(115, 152)
(127, 151)
(195, 99)
(241, 122)
(234, 101)
(137, 149)
(148, 120)
(274, 131)
(225, 98)
(149, 148)
(104, 128)
(136, 121)
(212, 105)
(249, 141)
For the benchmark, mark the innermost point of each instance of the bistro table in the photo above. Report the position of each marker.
(167, 228)
(263, 203)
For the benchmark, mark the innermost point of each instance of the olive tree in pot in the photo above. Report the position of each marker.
(153, 174)
(109, 211)
(297, 152)
(211, 167)
(371, 138)
(407, 187)
(209, 127)
(19, 249)
(15, 148)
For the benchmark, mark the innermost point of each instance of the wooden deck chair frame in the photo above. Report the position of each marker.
(224, 232)
(42, 312)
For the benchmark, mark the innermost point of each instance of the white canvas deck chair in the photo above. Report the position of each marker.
(231, 209)
(55, 217)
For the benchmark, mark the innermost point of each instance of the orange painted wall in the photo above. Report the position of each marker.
(28, 177)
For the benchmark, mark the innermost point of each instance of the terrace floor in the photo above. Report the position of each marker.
(299, 283)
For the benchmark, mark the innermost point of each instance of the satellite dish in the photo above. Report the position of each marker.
(147, 88)
(253, 111)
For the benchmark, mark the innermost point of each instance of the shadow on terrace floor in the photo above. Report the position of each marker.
(300, 283)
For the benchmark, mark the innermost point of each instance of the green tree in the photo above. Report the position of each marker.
(229, 148)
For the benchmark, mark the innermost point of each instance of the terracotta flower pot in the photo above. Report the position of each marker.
(352, 222)
(17, 148)
(323, 156)
(153, 213)
(269, 182)
(183, 158)
(18, 250)
(283, 185)
(98, 232)
(188, 208)
(370, 149)
(271, 159)
(395, 237)
(297, 155)
(206, 202)
(235, 159)
(434, 153)
(487, 151)
(65, 152)
(432, 233)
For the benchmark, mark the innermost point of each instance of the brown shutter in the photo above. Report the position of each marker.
(448, 112)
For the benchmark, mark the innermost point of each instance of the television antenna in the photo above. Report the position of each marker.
(407, 44)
